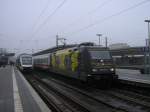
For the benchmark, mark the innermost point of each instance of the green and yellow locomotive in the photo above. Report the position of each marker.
(81, 62)
(84, 63)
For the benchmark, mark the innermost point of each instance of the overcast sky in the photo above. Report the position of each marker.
(33, 24)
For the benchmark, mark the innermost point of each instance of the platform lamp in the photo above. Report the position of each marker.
(99, 35)
(148, 21)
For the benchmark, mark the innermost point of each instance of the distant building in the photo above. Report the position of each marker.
(5, 56)
(131, 58)
(119, 46)
(2, 51)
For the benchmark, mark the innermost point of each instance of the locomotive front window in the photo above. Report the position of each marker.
(27, 60)
(100, 54)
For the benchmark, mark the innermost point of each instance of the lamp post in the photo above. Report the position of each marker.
(62, 40)
(57, 40)
(106, 42)
(1, 39)
(148, 21)
(99, 35)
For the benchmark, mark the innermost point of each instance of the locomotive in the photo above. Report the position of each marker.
(83, 62)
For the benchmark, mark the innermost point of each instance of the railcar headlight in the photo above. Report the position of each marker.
(94, 70)
(112, 69)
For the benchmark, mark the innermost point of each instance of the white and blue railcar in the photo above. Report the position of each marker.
(25, 62)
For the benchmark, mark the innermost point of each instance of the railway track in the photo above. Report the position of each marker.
(133, 97)
(120, 100)
(56, 101)
(117, 98)
(145, 91)
(113, 100)
(75, 100)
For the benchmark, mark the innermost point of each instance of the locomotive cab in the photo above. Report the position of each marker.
(99, 62)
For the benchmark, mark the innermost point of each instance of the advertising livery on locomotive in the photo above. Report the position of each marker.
(81, 62)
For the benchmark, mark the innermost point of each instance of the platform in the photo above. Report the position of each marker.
(16, 94)
(133, 77)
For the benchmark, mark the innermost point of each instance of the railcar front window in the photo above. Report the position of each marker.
(100, 54)
(27, 60)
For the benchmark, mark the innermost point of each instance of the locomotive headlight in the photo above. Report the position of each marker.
(112, 69)
(94, 70)
(102, 60)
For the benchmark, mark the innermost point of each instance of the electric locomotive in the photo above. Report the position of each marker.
(84, 63)
(81, 62)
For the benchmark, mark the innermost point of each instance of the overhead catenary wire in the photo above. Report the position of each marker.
(101, 5)
(41, 14)
(108, 17)
(88, 13)
(50, 16)
(38, 18)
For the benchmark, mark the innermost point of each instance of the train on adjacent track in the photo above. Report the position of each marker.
(3, 61)
(83, 62)
(24, 62)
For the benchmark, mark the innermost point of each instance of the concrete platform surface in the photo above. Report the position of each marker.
(6, 90)
(133, 75)
(17, 95)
